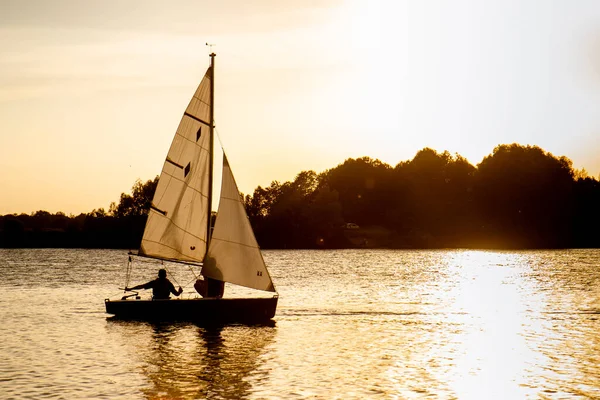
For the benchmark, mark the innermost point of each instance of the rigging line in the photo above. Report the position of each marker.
(219, 137)
(172, 276)
(190, 282)
(222, 146)
(128, 271)
(193, 273)
(129, 268)
(118, 294)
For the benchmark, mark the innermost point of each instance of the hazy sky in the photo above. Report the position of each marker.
(91, 92)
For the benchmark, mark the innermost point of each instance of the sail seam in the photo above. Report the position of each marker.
(202, 102)
(187, 186)
(231, 241)
(164, 171)
(169, 247)
(229, 198)
(173, 260)
(176, 226)
(191, 141)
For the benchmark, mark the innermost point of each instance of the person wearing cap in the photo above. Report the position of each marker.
(161, 286)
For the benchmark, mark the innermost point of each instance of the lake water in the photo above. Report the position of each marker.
(350, 324)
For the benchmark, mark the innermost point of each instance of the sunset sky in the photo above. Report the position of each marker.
(91, 92)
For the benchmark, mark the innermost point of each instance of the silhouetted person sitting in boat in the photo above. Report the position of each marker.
(208, 287)
(161, 287)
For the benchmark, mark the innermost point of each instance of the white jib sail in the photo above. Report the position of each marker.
(233, 255)
(177, 221)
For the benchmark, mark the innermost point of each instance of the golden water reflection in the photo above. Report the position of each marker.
(443, 324)
(182, 361)
(506, 346)
(384, 324)
(493, 358)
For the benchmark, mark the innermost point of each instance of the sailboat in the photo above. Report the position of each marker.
(179, 229)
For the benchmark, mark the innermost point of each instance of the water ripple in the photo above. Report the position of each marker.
(350, 324)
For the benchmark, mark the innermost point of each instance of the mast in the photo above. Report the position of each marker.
(211, 145)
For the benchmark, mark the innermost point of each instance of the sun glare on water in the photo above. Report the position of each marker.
(494, 305)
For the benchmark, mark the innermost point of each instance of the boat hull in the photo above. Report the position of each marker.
(230, 310)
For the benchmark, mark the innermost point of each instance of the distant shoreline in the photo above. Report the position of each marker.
(368, 237)
(518, 197)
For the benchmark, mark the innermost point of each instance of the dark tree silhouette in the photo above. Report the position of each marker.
(366, 189)
(525, 197)
(517, 197)
(437, 199)
(138, 202)
(586, 213)
(303, 213)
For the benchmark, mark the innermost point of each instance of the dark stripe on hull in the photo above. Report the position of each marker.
(249, 310)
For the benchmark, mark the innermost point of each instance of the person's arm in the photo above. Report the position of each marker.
(175, 292)
(143, 286)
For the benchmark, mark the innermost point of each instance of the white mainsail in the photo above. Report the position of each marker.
(233, 255)
(177, 221)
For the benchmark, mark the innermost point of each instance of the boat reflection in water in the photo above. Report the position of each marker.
(185, 360)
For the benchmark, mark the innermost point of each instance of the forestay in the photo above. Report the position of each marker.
(233, 254)
(177, 221)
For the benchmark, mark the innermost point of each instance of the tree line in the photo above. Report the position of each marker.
(121, 227)
(517, 197)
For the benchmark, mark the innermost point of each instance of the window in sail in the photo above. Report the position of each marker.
(199, 133)
(186, 171)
